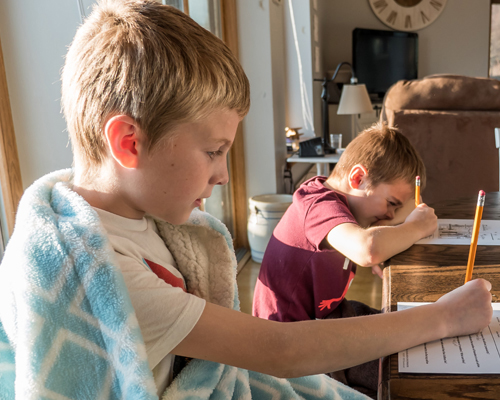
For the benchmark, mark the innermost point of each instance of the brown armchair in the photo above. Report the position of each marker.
(450, 119)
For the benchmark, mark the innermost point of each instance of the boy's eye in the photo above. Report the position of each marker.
(392, 203)
(213, 154)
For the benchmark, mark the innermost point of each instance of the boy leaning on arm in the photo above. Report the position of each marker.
(112, 272)
(333, 226)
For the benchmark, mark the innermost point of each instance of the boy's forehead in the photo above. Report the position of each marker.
(398, 191)
(401, 190)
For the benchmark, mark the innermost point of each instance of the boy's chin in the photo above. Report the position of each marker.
(174, 219)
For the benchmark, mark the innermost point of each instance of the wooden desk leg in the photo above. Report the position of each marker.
(384, 390)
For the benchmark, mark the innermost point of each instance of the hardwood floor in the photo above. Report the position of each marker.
(365, 287)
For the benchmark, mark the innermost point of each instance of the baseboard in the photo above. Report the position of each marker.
(242, 256)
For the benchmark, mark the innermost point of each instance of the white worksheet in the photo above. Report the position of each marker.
(459, 231)
(473, 354)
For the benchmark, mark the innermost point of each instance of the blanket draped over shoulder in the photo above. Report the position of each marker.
(67, 326)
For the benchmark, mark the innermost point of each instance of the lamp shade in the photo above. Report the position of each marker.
(354, 100)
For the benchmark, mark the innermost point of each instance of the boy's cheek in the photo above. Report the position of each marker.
(402, 213)
(399, 215)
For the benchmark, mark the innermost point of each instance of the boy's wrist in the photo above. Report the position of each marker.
(411, 230)
(441, 317)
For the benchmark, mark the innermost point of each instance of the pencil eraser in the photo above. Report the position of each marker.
(481, 193)
(418, 178)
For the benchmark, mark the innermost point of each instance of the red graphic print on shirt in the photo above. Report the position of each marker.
(166, 275)
(327, 303)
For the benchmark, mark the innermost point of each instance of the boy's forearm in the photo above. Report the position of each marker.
(342, 343)
(374, 245)
(307, 347)
(387, 241)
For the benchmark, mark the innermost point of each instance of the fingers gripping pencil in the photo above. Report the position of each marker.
(417, 191)
(475, 235)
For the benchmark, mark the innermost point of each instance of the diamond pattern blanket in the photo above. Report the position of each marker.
(67, 326)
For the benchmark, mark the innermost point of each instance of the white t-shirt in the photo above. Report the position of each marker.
(166, 313)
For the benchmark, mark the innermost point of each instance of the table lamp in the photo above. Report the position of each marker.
(353, 100)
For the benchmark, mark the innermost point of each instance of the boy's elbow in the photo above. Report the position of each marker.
(287, 365)
(368, 260)
(369, 255)
(373, 258)
(284, 358)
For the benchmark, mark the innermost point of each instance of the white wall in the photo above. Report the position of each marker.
(457, 42)
(35, 36)
(260, 26)
(299, 49)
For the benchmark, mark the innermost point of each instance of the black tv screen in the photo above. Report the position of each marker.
(381, 58)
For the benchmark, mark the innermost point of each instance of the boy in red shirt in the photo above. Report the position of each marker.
(333, 225)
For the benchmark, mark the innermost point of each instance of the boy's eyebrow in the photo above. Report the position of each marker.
(223, 141)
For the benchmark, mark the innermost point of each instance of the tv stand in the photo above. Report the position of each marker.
(376, 97)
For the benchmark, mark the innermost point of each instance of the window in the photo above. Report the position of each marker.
(494, 71)
(227, 203)
(11, 187)
(207, 14)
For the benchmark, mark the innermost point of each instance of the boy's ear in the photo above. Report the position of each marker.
(358, 176)
(122, 137)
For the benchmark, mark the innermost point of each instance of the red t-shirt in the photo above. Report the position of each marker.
(299, 279)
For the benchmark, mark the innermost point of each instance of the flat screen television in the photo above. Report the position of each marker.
(381, 58)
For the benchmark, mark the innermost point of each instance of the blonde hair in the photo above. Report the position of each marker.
(386, 153)
(150, 62)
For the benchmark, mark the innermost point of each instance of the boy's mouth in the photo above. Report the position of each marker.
(377, 220)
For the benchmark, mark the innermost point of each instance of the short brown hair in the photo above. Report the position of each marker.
(150, 62)
(386, 153)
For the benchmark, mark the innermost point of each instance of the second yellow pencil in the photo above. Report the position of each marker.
(475, 235)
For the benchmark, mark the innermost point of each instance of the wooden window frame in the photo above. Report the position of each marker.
(489, 34)
(237, 170)
(10, 171)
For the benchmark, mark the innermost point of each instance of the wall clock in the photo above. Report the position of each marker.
(407, 15)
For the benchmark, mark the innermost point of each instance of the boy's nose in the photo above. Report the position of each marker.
(224, 180)
(221, 177)
(389, 214)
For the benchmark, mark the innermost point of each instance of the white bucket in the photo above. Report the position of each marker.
(266, 211)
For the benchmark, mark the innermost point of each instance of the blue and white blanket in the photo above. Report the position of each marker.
(67, 326)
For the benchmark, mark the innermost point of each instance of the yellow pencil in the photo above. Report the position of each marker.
(417, 191)
(475, 235)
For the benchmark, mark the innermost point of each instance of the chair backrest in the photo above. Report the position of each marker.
(451, 121)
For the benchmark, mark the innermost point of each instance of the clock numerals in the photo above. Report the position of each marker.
(380, 5)
(425, 18)
(436, 4)
(408, 22)
(407, 15)
(391, 19)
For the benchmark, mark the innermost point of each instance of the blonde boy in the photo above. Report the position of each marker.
(152, 102)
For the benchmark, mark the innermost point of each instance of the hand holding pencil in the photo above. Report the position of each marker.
(475, 235)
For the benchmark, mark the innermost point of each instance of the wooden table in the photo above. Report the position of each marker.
(425, 273)
(454, 255)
